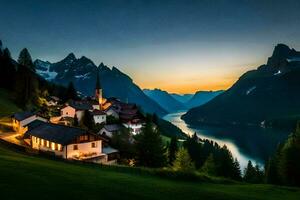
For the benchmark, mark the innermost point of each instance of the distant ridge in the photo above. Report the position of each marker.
(267, 96)
(82, 72)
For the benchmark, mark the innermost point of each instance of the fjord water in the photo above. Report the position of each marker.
(246, 143)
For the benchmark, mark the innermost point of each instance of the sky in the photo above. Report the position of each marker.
(178, 46)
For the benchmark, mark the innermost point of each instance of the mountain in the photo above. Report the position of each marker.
(265, 96)
(202, 97)
(165, 100)
(82, 72)
(183, 98)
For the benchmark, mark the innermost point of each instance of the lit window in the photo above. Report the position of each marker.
(75, 147)
(52, 145)
(47, 143)
(59, 147)
(42, 142)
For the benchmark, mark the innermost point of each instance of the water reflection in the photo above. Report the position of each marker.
(245, 143)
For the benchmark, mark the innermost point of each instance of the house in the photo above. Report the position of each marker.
(21, 119)
(52, 101)
(112, 154)
(135, 126)
(111, 111)
(99, 116)
(75, 108)
(110, 129)
(66, 142)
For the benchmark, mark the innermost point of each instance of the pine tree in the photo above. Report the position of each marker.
(75, 122)
(71, 92)
(237, 174)
(183, 161)
(26, 87)
(87, 120)
(250, 174)
(7, 69)
(122, 141)
(25, 60)
(209, 166)
(173, 148)
(150, 151)
(288, 160)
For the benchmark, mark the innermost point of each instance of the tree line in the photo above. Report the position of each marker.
(27, 87)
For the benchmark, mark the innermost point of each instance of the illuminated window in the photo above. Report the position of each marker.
(47, 143)
(93, 145)
(83, 137)
(42, 142)
(59, 147)
(75, 147)
(52, 145)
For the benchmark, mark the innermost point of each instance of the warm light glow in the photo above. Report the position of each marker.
(47, 143)
(59, 147)
(52, 145)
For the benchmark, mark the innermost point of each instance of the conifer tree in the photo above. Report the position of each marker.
(173, 148)
(183, 161)
(250, 173)
(71, 92)
(150, 151)
(26, 87)
(209, 166)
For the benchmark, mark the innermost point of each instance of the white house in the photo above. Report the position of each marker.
(111, 111)
(110, 129)
(99, 116)
(21, 119)
(135, 126)
(75, 109)
(67, 142)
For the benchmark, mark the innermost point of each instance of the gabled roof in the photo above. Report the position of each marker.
(20, 116)
(56, 133)
(34, 124)
(97, 112)
(81, 105)
(112, 127)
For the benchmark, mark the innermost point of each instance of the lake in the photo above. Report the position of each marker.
(245, 143)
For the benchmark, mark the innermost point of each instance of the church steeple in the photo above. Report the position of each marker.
(98, 90)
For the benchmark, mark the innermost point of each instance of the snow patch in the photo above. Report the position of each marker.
(250, 90)
(278, 73)
(46, 74)
(84, 76)
(295, 59)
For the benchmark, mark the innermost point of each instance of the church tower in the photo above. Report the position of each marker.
(98, 91)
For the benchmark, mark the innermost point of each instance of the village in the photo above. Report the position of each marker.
(59, 135)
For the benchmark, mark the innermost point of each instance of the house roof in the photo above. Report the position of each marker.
(97, 112)
(34, 124)
(112, 127)
(81, 105)
(56, 133)
(20, 116)
(109, 150)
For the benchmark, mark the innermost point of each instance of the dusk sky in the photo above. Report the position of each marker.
(178, 46)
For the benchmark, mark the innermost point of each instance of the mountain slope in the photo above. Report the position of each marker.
(202, 97)
(259, 96)
(183, 98)
(165, 100)
(82, 72)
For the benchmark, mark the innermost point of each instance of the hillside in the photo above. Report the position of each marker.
(165, 100)
(7, 107)
(33, 176)
(202, 97)
(261, 96)
(82, 72)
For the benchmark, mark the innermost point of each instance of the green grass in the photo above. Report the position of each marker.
(7, 107)
(28, 177)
